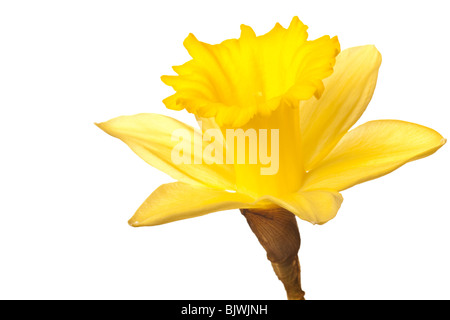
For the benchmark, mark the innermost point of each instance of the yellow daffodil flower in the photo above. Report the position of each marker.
(309, 91)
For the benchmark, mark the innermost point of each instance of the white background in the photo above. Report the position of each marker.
(68, 189)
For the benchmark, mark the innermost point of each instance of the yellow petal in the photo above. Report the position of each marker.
(178, 201)
(317, 206)
(241, 78)
(151, 137)
(371, 151)
(347, 93)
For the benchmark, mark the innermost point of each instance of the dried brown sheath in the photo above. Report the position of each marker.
(277, 231)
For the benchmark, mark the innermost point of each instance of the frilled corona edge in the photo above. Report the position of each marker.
(239, 79)
(277, 231)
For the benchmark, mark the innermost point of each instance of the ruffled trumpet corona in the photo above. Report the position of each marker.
(276, 140)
